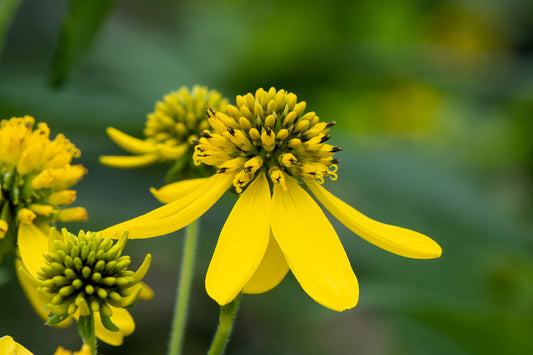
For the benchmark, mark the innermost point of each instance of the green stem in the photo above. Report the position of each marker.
(184, 289)
(89, 336)
(225, 325)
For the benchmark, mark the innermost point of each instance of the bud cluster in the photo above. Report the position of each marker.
(87, 273)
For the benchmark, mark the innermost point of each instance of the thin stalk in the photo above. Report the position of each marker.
(184, 289)
(225, 325)
(90, 340)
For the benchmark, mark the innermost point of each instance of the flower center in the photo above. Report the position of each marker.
(86, 271)
(180, 117)
(268, 132)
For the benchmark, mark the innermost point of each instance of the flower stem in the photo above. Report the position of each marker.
(89, 337)
(225, 325)
(184, 289)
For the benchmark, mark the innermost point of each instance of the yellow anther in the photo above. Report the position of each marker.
(232, 165)
(301, 126)
(253, 164)
(277, 177)
(245, 123)
(289, 119)
(233, 111)
(43, 210)
(255, 135)
(282, 134)
(245, 111)
(268, 139)
(72, 214)
(64, 197)
(299, 108)
(258, 109)
(26, 216)
(288, 160)
(270, 121)
(294, 143)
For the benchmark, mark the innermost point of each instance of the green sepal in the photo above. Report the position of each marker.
(55, 319)
(86, 326)
(108, 324)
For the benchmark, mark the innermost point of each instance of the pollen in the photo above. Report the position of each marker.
(269, 131)
(87, 273)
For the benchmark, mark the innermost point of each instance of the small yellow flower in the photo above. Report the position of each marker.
(8, 346)
(76, 275)
(262, 149)
(85, 350)
(35, 174)
(170, 130)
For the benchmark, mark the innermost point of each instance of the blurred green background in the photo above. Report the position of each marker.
(434, 108)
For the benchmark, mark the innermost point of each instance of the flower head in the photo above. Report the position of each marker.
(170, 130)
(85, 274)
(262, 150)
(35, 177)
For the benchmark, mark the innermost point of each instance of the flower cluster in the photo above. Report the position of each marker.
(170, 130)
(35, 177)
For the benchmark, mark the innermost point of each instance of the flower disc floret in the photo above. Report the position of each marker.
(269, 131)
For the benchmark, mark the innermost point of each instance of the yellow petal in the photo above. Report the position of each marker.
(397, 240)
(129, 161)
(312, 248)
(122, 319)
(129, 143)
(175, 215)
(32, 243)
(176, 190)
(270, 272)
(146, 293)
(242, 243)
(8, 346)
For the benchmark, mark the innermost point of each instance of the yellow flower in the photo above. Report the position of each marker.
(8, 346)
(85, 350)
(35, 174)
(170, 130)
(262, 149)
(73, 276)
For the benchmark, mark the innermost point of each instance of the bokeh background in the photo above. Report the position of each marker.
(434, 108)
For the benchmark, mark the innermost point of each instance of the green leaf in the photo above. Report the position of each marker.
(55, 319)
(7, 12)
(108, 324)
(86, 327)
(79, 27)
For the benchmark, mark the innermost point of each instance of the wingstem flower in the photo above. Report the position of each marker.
(170, 130)
(262, 149)
(35, 177)
(82, 275)
(8, 346)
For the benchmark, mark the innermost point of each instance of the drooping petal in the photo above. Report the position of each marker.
(32, 243)
(312, 248)
(242, 243)
(175, 215)
(122, 319)
(129, 161)
(397, 240)
(270, 272)
(129, 143)
(176, 190)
